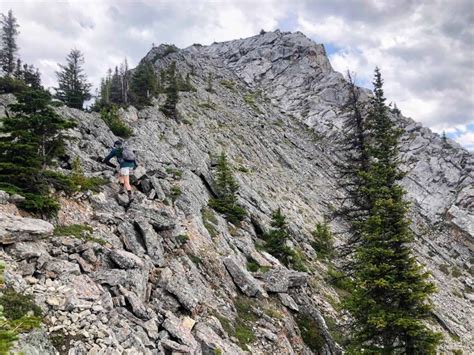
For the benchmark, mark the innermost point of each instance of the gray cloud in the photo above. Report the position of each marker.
(424, 48)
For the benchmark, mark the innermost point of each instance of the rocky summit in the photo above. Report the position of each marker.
(168, 275)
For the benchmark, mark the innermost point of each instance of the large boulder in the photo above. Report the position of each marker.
(280, 280)
(15, 229)
(242, 278)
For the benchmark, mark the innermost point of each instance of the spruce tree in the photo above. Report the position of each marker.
(171, 90)
(116, 87)
(227, 188)
(9, 47)
(276, 238)
(73, 88)
(355, 208)
(389, 301)
(143, 85)
(31, 139)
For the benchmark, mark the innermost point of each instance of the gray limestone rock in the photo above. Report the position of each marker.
(126, 260)
(280, 280)
(19, 229)
(242, 278)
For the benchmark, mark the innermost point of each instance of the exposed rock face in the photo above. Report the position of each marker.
(15, 229)
(162, 274)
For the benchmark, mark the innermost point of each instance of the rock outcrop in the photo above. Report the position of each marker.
(166, 274)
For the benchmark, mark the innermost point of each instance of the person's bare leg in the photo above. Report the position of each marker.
(128, 187)
(126, 183)
(122, 183)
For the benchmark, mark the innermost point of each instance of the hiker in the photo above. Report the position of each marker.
(127, 161)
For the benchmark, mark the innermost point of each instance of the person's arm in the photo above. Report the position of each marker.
(106, 160)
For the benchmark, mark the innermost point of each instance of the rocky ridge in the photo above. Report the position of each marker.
(168, 275)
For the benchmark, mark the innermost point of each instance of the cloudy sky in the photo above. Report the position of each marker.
(424, 48)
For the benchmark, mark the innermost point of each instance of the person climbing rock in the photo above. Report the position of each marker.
(127, 161)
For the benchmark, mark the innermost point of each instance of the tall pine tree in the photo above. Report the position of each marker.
(143, 85)
(355, 208)
(389, 301)
(171, 90)
(73, 88)
(9, 47)
(226, 188)
(31, 139)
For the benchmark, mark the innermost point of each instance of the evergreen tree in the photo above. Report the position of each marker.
(125, 78)
(73, 88)
(227, 188)
(444, 139)
(209, 87)
(116, 88)
(390, 293)
(356, 207)
(31, 139)
(171, 90)
(9, 47)
(143, 85)
(276, 238)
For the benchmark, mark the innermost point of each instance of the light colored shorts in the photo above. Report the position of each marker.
(124, 171)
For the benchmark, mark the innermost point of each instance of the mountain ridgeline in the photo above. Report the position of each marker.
(234, 242)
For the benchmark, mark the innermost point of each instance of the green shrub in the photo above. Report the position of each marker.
(210, 221)
(245, 318)
(229, 84)
(456, 272)
(38, 203)
(250, 100)
(82, 182)
(252, 265)
(322, 240)
(176, 173)
(79, 231)
(195, 259)
(339, 280)
(11, 85)
(298, 261)
(75, 230)
(310, 332)
(444, 269)
(175, 192)
(76, 181)
(208, 104)
(16, 305)
(117, 126)
(182, 238)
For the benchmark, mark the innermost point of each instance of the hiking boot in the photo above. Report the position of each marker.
(121, 189)
(130, 196)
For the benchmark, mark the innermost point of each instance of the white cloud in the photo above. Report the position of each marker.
(424, 48)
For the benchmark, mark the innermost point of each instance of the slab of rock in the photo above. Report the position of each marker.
(175, 347)
(211, 342)
(125, 259)
(280, 280)
(288, 301)
(138, 308)
(55, 268)
(175, 327)
(26, 250)
(242, 278)
(177, 285)
(152, 241)
(15, 229)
